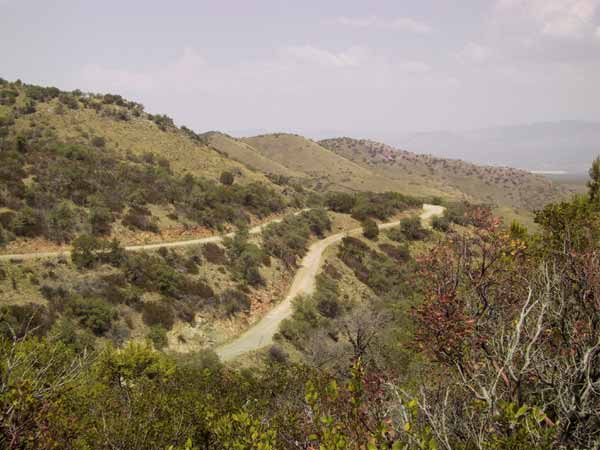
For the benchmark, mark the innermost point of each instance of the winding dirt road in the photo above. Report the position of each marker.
(261, 334)
(136, 248)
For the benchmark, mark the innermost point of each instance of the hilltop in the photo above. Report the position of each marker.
(496, 185)
(295, 156)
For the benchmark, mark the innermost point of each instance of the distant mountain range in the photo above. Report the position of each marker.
(552, 146)
(565, 146)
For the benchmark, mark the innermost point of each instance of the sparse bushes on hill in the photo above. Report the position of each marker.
(234, 301)
(287, 240)
(93, 175)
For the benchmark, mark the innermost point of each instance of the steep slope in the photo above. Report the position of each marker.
(123, 125)
(496, 185)
(325, 169)
(247, 155)
(74, 164)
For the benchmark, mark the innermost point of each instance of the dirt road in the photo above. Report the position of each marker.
(261, 334)
(136, 248)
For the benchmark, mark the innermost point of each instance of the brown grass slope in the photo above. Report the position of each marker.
(496, 185)
(325, 169)
(247, 155)
(138, 135)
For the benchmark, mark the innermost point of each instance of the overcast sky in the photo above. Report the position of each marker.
(349, 66)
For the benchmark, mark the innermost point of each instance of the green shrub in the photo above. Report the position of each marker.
(85, 252)
(214, 254)
(95, 314)
(412, 229)
(233, 301)
(370, 229)
(158, 312)
(227, 178)
(400, 253)
(340, 202)
(101, 221)
(61, 223)
(140, 219)
(17, 321)
(158, 336)
(440, 223)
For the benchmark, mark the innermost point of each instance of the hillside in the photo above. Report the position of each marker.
(497, 185)
(568, 145)
(247, 155)
(326, 170)
(73, 163)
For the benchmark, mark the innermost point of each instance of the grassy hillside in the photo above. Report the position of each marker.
(326, 169)
(247, 155)
(74, 163)
(496, 185)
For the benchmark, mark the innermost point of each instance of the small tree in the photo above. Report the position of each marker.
(594, 182)
(85, 251)
(370, 229)
(227, 178)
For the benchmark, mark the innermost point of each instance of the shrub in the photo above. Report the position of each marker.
(61, 223)
(233, 301)
(158, 336)
(98, 141)
(101, 221)
(227, 178)
(277, 355)
(340, 202)
(158, 312)
(412, 229)
(21, 320)
(214, 254)
(85, 252)
(400, 253)
(440, 223)
(370, 229)
(95, 314)
(28, 222)
(139, 219)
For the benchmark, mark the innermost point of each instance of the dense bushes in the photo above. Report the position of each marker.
(94, 314)
(370, 229)
(365, 205)
(410, 229)
(385, 276)
(288, 239)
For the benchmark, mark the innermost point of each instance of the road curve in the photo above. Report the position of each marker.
(261, 334)
(136, 248)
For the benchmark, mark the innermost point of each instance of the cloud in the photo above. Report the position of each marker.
(401, 23)
(554, 18)
(474, 53)
(352, 57)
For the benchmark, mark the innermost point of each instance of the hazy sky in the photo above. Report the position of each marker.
(351, 66)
